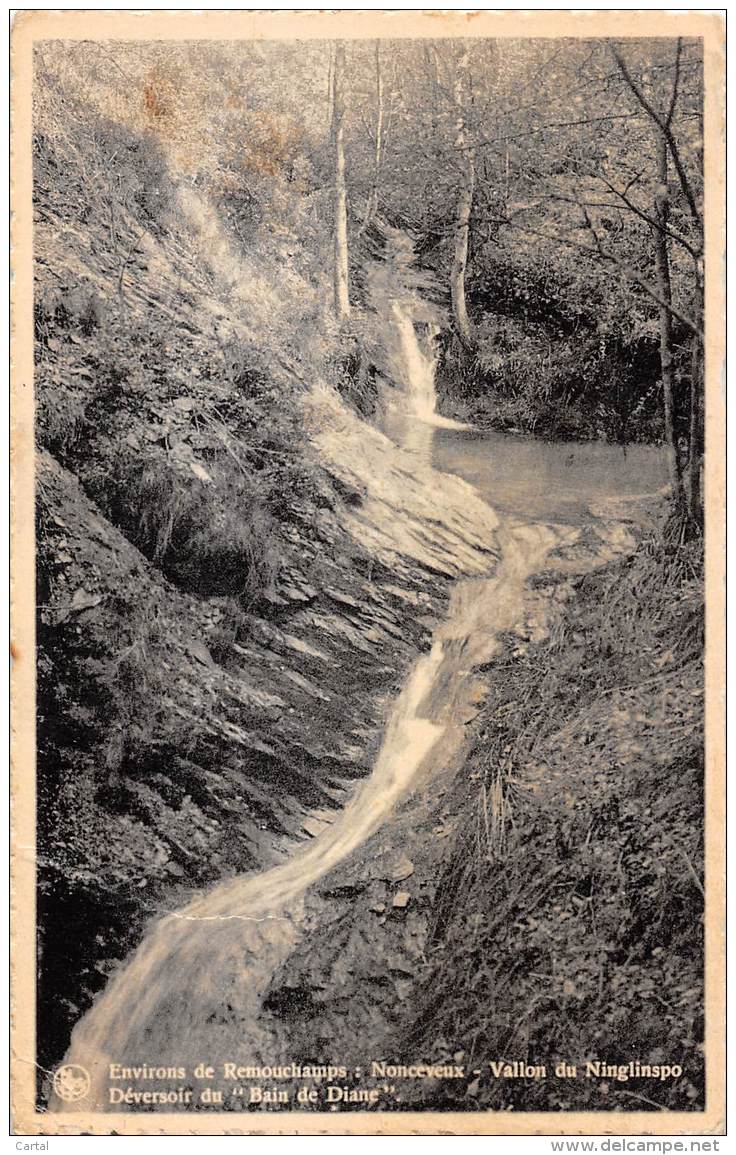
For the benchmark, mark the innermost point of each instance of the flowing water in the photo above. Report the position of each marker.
(193, 990)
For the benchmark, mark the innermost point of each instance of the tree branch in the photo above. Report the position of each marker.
(650, 220)
(483, 142)
(627, 271)
(675, 83)
(664, 127)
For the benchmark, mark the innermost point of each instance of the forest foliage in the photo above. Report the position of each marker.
(554, 186)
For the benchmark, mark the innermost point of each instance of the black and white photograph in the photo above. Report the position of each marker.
(369, 457)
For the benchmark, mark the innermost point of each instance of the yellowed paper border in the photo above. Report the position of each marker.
(31, 26)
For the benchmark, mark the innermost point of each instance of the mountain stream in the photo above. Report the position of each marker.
(193, 989)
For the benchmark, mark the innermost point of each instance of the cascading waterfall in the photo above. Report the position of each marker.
(193, 990)
(418, 367)
(195, 985)
(409, 338)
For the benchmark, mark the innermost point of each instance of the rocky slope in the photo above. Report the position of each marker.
(553, 865)
(234, 574)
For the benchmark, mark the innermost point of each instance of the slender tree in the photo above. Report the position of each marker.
(664, 290)
(685, 484)
(696, 442)
(340, 272)
(466, 160)
(372, 204)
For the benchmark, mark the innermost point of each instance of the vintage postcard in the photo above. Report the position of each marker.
(368, 532)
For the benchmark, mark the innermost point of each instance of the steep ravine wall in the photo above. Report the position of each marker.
(276, 745)
(177, 748)
(310, 961)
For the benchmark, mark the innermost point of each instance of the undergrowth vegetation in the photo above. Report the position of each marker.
(549, 358)
(189, 441)
(521, 377)
(568, 924)
(206, 537)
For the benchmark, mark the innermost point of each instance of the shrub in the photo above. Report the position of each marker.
(354, 375)
(522, 374)
(212, 537)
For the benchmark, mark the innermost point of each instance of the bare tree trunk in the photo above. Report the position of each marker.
(685, 490)
(372, 205)
(433, 72)
(340, 273)
(693, 488)
(330, 90)
(664, 288)
(466, 161)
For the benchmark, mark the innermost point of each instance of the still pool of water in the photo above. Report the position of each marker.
(547, 480)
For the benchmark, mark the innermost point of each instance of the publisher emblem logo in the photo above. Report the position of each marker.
(71, 1082)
